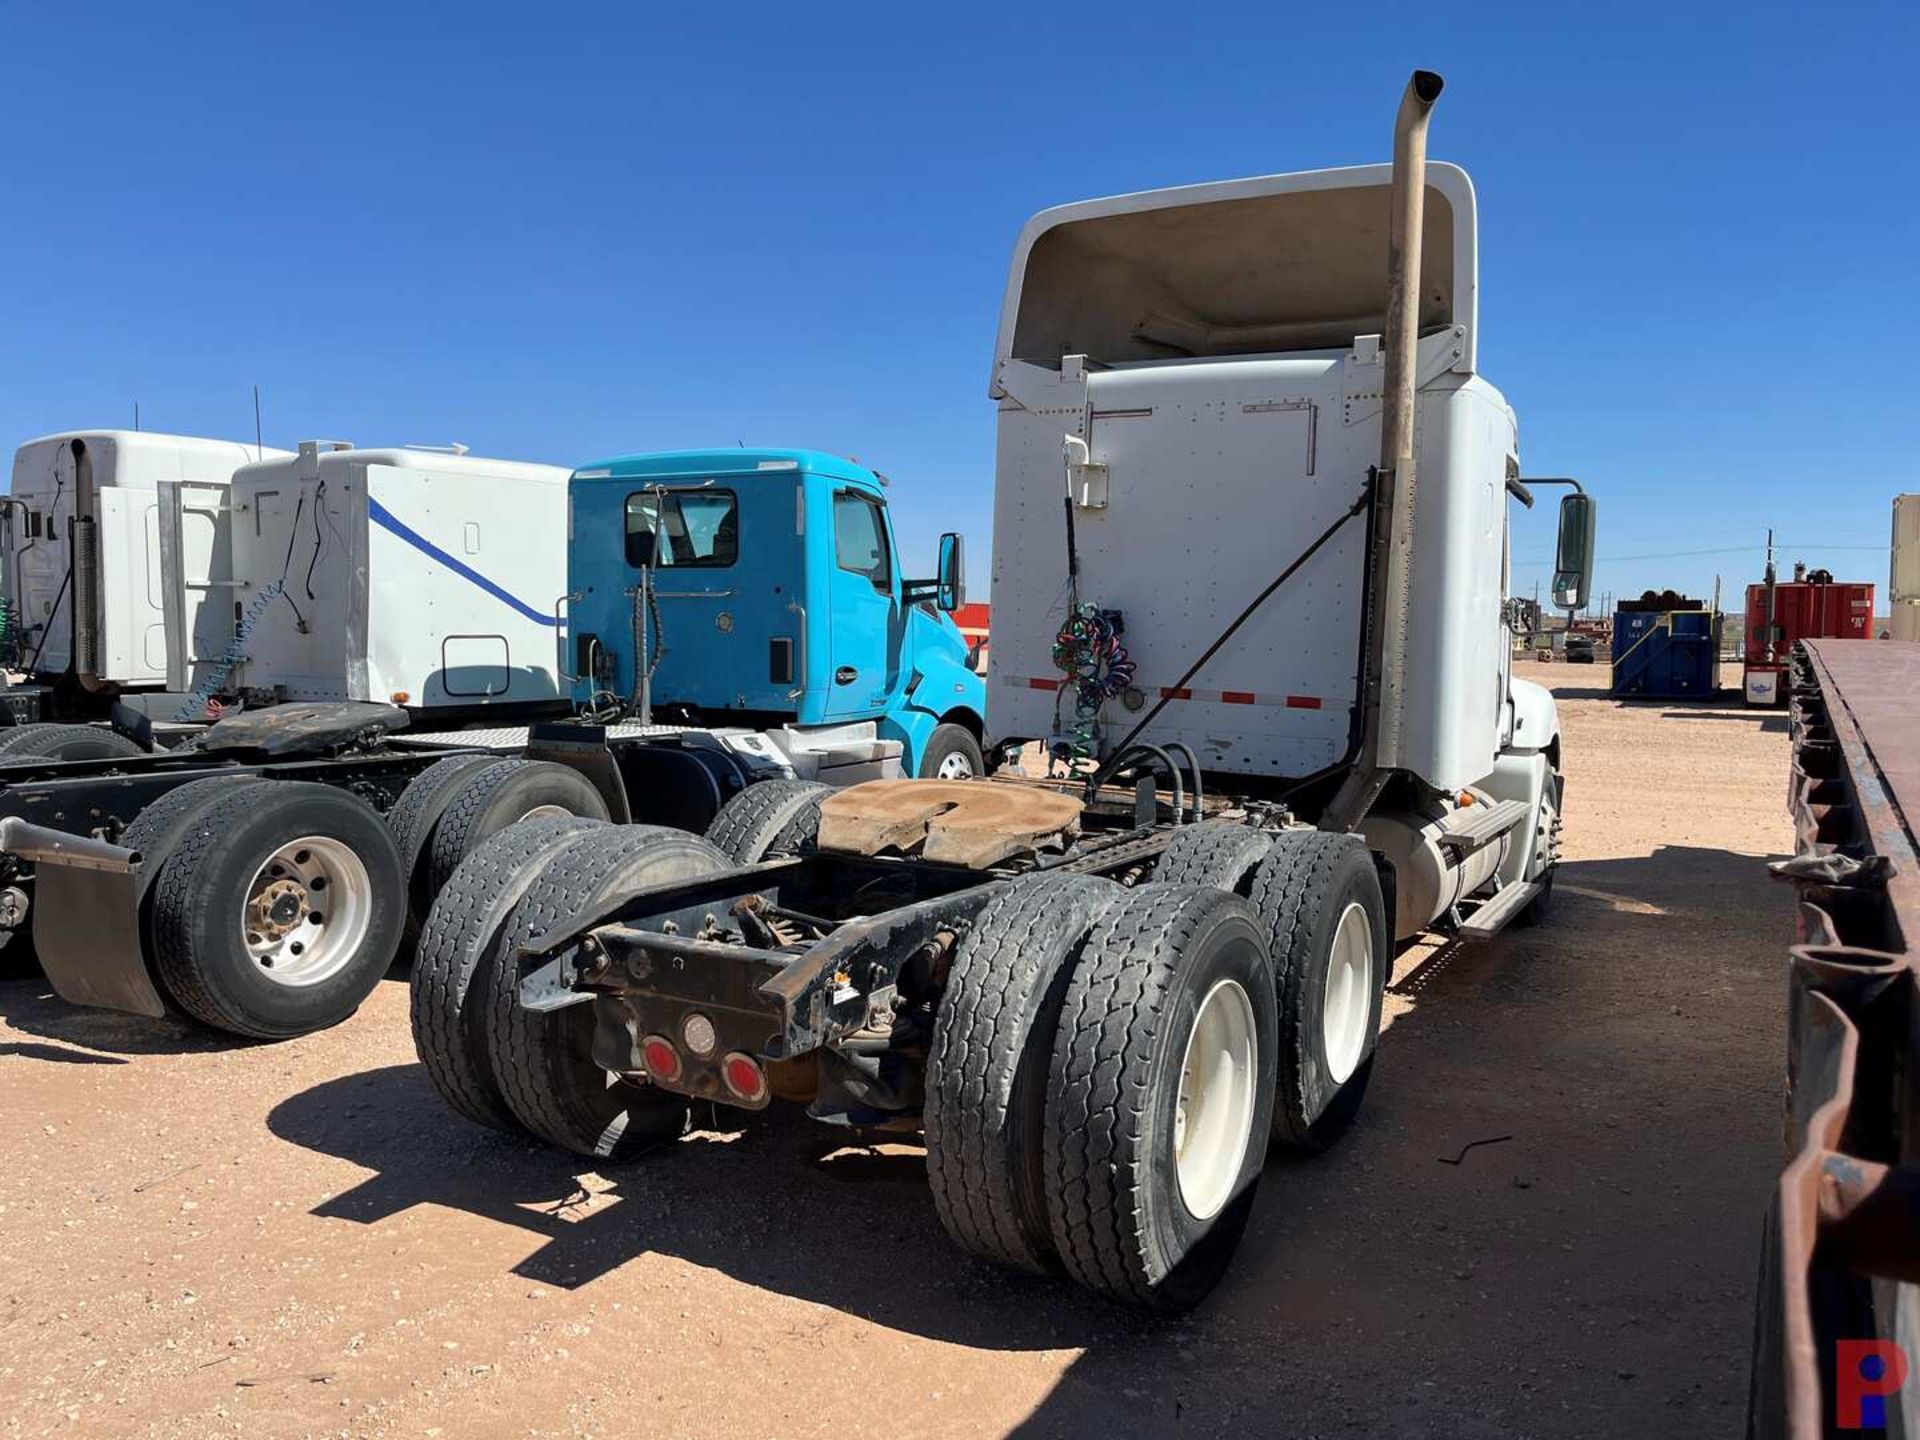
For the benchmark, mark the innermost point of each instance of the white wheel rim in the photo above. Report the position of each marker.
(1213, 1117)
(1347, 1003)
(539, 811)
(955, 766)
(307, 911)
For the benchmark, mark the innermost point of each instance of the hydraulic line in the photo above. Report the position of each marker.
(1193, 763)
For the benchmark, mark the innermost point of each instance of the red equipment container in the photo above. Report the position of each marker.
(1802, 610)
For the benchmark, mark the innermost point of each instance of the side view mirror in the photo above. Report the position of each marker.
(950, 584)
(1573, 553)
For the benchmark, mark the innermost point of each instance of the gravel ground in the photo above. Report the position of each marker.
(201, 1238)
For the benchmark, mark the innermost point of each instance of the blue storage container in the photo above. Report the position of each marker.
(1665, 654)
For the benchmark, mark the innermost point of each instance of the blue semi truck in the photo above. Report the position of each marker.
(776, 600)
(736, 620)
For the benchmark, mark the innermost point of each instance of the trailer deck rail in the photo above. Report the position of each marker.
(1842, 1254)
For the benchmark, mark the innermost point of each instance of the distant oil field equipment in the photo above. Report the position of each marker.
(1665, 647)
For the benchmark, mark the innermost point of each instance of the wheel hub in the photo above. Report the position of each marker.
(307, 911)
(276, 909)
(1213, 1112)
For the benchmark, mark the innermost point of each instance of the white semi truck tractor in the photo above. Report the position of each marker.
(1250, 556)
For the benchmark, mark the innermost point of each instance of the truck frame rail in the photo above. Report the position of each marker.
(1841, 1255)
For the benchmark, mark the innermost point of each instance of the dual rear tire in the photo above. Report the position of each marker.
(1100, 1083)
(511, 1068)
(1109, 1066)
(272, 908)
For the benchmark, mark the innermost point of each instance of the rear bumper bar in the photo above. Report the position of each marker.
(773, 1004)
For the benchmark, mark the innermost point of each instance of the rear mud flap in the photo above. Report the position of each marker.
(86, 918)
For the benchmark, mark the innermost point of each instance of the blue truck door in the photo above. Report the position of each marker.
(725, 562)
(864, 598)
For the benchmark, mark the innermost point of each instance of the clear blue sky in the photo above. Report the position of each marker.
(557, 235)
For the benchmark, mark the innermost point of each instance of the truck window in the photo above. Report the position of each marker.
(697, 528)
(860, 539)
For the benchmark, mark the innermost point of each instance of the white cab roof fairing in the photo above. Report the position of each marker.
(1267, 265)
(438, 461)
(135, 458)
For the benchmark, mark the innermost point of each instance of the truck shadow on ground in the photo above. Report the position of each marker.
(29, 1005)
(1405, 1276)
(771, 1202)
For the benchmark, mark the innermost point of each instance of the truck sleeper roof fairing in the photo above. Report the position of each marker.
(1267, 265)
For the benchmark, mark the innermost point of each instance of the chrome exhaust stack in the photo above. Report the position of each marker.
(84, 557)
(1390, 558)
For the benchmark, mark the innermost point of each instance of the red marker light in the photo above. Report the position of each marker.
(663, 1061)
(744, 1077)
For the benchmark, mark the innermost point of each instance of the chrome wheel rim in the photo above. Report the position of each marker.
(1213, 1116)
(307, 911)
(1346, 1005)
(540, 811)
(956, 766)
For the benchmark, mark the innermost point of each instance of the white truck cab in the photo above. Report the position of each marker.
(1194, 380)
(84, 551)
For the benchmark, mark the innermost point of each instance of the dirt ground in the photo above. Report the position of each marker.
(200, 1238)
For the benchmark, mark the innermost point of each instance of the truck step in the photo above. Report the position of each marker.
(1477, 826)
(1492, 915)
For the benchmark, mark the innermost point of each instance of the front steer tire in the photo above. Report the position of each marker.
(1119, 1206)
(460, 937)
(952, 753)
(987, 1073)
(201, 902)
(1312, 882)
(544, 1060)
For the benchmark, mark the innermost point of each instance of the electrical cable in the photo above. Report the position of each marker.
(1167, 693)
(1087, 647)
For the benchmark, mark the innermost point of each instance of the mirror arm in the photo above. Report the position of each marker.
(1528, 482)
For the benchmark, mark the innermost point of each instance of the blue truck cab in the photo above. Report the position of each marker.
(777, 600)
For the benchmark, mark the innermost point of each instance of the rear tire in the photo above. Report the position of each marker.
(1318, 888)
(222, 946)
(952, 754)
(460, 937)
(496, 796)
(412, 821)
(750, 826)
(544, 1060)
(1153, 1146)
(157, 831)
(987, 1071)
(44, 741)
(1220, 853)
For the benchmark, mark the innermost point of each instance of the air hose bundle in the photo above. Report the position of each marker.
(1088, 649)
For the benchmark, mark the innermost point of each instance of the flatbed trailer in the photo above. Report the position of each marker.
(1837, 1333)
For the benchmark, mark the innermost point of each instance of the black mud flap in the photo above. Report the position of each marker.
(86, 918)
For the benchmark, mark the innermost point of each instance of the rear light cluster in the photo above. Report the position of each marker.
(743, 1076)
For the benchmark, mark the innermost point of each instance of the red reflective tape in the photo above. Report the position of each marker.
(1303, 702)
(1237, 697)
(1038, 684)
(1169, 692)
